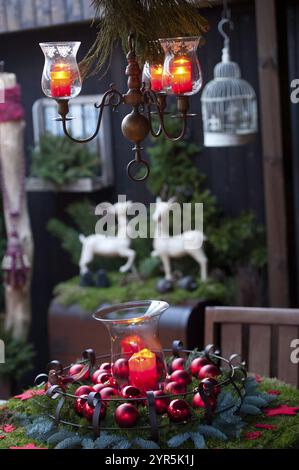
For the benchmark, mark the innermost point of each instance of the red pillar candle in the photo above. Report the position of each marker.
(61, 80)
(181, 75)
(143, 370)
(131, 344)
(156, 72)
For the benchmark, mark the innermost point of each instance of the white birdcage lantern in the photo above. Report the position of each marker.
(229, 104)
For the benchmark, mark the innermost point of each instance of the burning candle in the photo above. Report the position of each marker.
(61, 80)
(181, 75)
(143, 370)
(156, 72)
(131, 344)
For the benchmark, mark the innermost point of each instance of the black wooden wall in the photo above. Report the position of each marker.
(233, 175)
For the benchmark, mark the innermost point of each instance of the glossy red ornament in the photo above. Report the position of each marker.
(106, 366)
(99, 387)
(108, 392)
(112, 382)
(197, 364)
(209, 371)
(181, 376)
(178, 411)
(211, 386)
(83, 390)
(94, 377)
(103, 377)
(198, 402)
(178, 364)
(88, 411)
(121, 368)
(80, 403)
(76, 369)
(129, 391)
(161, 401)
(126, 415)
(175, 388)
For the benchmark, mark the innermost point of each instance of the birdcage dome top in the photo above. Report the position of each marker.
(229, 106)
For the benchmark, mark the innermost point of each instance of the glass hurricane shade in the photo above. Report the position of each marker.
(61, 77)
(182, 74)
(136, 353)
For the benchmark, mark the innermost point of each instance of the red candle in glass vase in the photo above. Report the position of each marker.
(131, 344)
(61, 80)
(156, 72)
(143, 370)
(181, 75)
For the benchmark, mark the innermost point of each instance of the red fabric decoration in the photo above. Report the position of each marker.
(12, 109)
(8, 428)
(268, 427)
(282, 410)
(28, 446)
(273, 392)
(29, 394)
(252, 436)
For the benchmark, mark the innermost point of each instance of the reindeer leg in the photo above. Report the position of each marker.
(87, 256)
(201, 259)
(167, 267)
(131, 255)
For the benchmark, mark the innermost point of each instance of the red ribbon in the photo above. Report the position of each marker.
(12, 109)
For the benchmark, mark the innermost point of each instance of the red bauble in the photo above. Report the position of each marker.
(197, 364)
(161, 401)
(112, 382)
(178, 364)
(99, 387)
(76, 369)
(80, 403)
(121, 368)
(198, 402)
(175, 388)
(94, 377)
(181, 376)
(168, 378)
(83, 390)
(126, 415)
(209, 371)
(108, 392)
(106, 366)
(103, 377)
(88, 411)
(129, 391)
(178, 411)
(211, 386)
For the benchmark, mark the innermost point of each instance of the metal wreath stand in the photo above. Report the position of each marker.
(237, 375)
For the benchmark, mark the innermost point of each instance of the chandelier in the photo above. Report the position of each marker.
(179, 76)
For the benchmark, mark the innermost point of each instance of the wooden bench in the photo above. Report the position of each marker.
(261, 336)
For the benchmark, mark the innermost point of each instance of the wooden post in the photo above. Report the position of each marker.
(17, 300)
(271, 124)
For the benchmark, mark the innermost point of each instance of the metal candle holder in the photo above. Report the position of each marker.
(236, 377)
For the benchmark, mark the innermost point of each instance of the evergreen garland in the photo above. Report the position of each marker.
(149, 20)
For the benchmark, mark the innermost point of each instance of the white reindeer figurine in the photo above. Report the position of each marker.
(166, 246)
(108, 246)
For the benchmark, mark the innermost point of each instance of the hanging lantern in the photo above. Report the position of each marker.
(229, 104)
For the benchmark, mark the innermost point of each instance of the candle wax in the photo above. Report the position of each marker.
(181, 75)
(61, 80)
(156, 72)
(143, 370)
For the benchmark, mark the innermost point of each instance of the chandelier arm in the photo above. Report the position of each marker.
(111, 98)
(160, 103)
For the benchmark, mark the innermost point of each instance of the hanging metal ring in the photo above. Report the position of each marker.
(141, 163)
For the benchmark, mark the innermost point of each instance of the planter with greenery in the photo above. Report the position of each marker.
(58, 164)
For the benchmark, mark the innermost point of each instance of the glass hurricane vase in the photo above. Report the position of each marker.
(136, 353)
